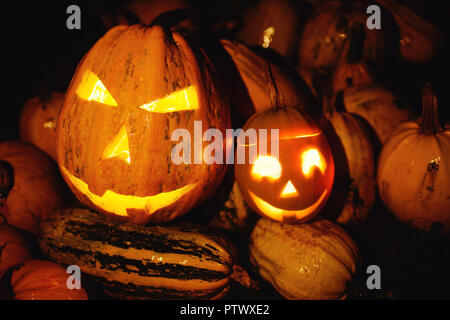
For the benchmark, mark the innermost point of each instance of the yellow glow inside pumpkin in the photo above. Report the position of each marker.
(312, 158)
(118, 204)
(289, 190)
(92, 89)
(182, 100)
(118, 147)
(278, 214)
(266, 166)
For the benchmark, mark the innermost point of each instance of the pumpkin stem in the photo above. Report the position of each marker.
(356, 46)
(44, 94)
(6, 180)
(430, 124)
(241, 276)
(275, 95)
(171, 18)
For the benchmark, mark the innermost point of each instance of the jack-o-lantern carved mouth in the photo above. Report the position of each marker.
(120, 203)
(280, 214)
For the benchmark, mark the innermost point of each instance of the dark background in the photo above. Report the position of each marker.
(39, 49)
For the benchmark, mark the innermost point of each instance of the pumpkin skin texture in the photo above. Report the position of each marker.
(253, 72)
(13, 248)
(377, 106)
(37, 189)
(163, 85)
(414, 171)
(38, 122)
(328, 29)
(281, 16)
(43, 280)
(353, 195)
(294, 187)
(310, 261)
(170, 261)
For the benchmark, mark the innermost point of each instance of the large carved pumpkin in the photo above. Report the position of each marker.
(129, 93)
(306, 261)
(35, 188)
(43, 280)
(295, 184)
(38, 122)
(328, 29)
(414, 171)
(13, 248)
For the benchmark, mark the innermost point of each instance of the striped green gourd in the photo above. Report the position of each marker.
(171, 261)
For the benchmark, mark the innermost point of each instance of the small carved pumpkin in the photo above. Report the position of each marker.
(114, 132)
(38, 122)
(414, 171)
(13, 248)
(43, 280)
(37, 188)
(293, 186)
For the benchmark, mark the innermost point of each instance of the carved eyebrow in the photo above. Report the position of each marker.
(181, 100)
(91, 88)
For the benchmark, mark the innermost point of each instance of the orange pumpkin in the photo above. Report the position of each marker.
(419, 39)
(293, 186)
(328, 29)
(272, 23)
(13, 248)
(114, 132)
(43, 280)
(38, 122)
(351, 69)
(36, 189)
(414, 172)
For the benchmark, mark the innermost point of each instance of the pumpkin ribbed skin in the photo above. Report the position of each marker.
(414, 173)
(37, 189)
(353, 194)
(154, 64)
(13, 248)
(253, 70)
(377, 106)
(179, 261)
(305, 261)
(43, 280)
(38, 122)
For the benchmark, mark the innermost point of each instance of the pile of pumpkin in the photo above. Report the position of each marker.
(110, 135)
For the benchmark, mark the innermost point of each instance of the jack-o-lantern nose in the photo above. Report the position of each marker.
(118, 147)
(289, 190)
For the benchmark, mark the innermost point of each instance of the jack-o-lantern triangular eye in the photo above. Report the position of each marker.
(91, 88)
(181, 100)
